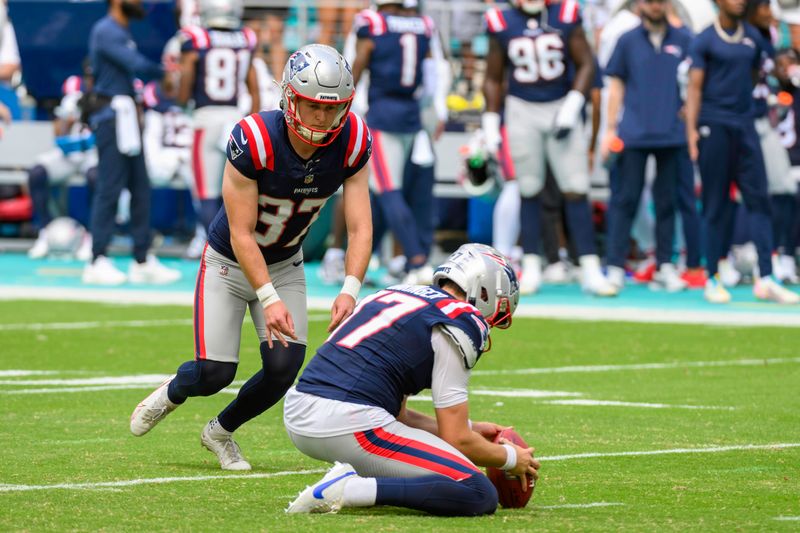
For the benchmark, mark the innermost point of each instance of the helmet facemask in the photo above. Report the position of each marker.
(307, 133)
(531, 7)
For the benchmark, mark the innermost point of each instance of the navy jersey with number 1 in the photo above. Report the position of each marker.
(383, 352)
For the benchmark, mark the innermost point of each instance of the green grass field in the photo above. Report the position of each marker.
(589, 388)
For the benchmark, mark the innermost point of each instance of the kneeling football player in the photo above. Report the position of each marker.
(349, 406)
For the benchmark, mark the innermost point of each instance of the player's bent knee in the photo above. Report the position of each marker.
(281, 364)
(483, 496)
(204, 378)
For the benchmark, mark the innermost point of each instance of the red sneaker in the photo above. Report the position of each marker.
(695, 277)
(645, 273)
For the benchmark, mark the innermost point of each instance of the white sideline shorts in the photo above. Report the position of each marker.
(223, 294)
(776, 160)
(370, 439)
(533, 143)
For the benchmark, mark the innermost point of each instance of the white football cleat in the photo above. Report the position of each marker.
(715, 291)
(152, 410)
(152, 271)
(419, 276)
(667, 279)
(198, 243)
(768, 288)
(592, 279)
(557, 273)
(728, 274)
(102, 272)
(616, 277)
(531, 278)
(40, 246)
(327, 494)
(331, 271)
(220, 442)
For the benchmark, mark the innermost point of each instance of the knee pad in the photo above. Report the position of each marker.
(204, 378)
(484, 497)
(281, 364)
(37, 177)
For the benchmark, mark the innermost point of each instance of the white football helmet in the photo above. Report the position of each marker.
(64, 236)
(531, 7)
(223, 14)
(487, 278)
(316, 73)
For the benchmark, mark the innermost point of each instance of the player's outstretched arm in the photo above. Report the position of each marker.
(241, 204)
(693, 99)
(358, 218)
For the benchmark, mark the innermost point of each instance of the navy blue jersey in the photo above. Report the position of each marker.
(383, 352)
(115, 60)
(729, 68)
(177, 131)
(291, 190)
(395, 68)
(652, 99)
(223, 61)
(538, 63)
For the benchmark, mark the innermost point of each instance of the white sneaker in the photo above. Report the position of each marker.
(616, 276)
(592, 279)
(84, 252)
(40, 247)
(220, 442)
(198, 243)
(728, 275)
(715, 291)
(531, 278)
(152, 271)
(152, 410)
(102, 272)
(789, 268)
(667, 279)
(331, 271)
(557, 273)
(768, 288)
(327, 494)
(419, 276)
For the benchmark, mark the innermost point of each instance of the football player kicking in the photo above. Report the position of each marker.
(543, 56)
(349, 406)
(282, 167)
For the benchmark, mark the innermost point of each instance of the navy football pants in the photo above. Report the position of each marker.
(115, 172)
(732, 154)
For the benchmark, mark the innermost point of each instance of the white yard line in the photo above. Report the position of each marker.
(710, 449)
(24, 373)
(577, 505)
(787, 518)
(44, 326)
(611, 403)
(136, 379)
(8, 487)
(148, 481)
(640, 366)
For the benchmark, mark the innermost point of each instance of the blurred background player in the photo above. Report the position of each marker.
(114, 119)
(350, 402)
(537, 51)
(721, 134)
(392, 45)
(643, 69)
(216, 62)
(282, 168)
(75, 153)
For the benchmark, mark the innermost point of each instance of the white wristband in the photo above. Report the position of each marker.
(351, 286)
(267, 295)
(511, 457)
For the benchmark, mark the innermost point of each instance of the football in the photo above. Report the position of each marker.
(509, 488)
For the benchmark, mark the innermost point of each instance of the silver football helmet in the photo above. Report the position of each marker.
(487, 278)
(316, 73)
(531, 7)
(223, 14)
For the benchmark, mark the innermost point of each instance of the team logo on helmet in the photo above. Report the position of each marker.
(297, 63)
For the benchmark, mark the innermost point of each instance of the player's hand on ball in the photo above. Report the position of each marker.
(488, 430)
(279, 323)
(526, 465)
(342, 308)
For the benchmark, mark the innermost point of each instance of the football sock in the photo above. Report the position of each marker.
(360, 492)
(505, 228)
(531, 225)
(580, 225)
(439, 495)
